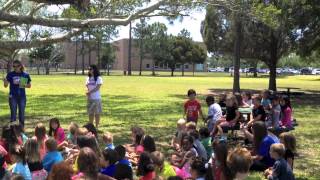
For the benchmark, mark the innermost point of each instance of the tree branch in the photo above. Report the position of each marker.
(36, 8)
(76, 23)
(7, 45)
(9, 5)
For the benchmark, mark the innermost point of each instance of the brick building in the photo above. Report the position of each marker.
(121, 61)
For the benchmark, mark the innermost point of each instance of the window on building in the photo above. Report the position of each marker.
(147, 66)
(178, 66)
(186, 66)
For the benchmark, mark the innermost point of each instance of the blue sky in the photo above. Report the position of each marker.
(191, 23)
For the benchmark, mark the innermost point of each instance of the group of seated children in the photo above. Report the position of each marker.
(271, 116)
(195, 153)
(273, 110)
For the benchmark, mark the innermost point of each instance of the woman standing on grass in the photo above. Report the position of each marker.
(93, 83)
(18, 80)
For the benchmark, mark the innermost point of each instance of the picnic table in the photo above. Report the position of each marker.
(245, 111)
(288, 90)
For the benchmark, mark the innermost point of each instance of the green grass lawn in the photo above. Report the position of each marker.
(155, 103)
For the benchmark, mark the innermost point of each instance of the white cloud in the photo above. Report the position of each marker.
(192, 23)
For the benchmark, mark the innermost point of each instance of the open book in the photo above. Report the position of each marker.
(23, 82)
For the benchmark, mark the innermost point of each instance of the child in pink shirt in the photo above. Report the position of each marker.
(41, 137)
(286, 113)
(57, 132)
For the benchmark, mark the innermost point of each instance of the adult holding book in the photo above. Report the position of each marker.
(18, 80)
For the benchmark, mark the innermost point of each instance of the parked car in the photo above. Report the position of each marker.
(306, 71)
(220, 69)
(295, 71)
(315, 71)
(279, 70)
(252, 70)
(262, 70)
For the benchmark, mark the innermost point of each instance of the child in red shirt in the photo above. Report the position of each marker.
(192, 107)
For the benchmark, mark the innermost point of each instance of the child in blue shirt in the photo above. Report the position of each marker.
(281, 169)
(108, 140)
(20, 166)
(122, 155)
(53, 156)
(110, 157)
(265, 101)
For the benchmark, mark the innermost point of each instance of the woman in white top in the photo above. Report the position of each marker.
(93, 83)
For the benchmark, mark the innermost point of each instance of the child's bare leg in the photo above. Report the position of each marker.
(97, 117)
(91, 117)
(220, 131)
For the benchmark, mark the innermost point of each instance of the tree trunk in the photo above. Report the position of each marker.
(182, 69)
(153, 68)
(38, 68)
(76, 60)
(89, 58)
(192, 69)
(255, 74)
(129, 50)
(108, 69)
(47, 68)
(82, 52)
(273, 64)
(236, 62)
(56, 67)
(141, 56)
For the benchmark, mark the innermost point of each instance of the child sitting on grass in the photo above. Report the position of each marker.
(71, 137)
(136, 148)
(239, 161)
(146, 167)
(280, 170)
(286, 114)
(53, 156)
(121, 150)
(198, 169)
(108, 140)
(57, 132)
(20, 166)
(34, 161)
(206, 140)
(214, 112)
(163, 168)
(258, 111)
(110, 158)
(41, 137)
(18, 130)
(265, 101)
(232, 115)
(289, 142)
(191, 126)
(182, 160)
(181, 128)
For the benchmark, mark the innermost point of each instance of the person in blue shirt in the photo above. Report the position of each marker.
(262, 142)
(53, 156)
(18, 80)
(121, 150)
(110, 157)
